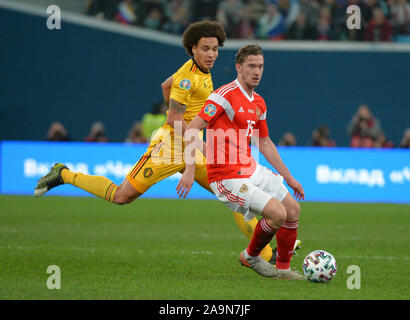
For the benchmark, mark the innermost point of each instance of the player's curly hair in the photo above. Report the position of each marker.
(246, 51)
(202, 29)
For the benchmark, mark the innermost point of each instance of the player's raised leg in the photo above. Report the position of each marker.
(139, 179)
(125, 193)
(50, 180)
(99, 186)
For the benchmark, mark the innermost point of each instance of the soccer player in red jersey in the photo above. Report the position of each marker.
(232, 115)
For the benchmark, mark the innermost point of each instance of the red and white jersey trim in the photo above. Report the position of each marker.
(230, 86)
(250, 98)
(232, 198)
(217, 98)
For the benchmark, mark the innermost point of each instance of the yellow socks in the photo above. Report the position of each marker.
(247, 229)
(97, 185)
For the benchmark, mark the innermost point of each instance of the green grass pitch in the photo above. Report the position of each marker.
(188, 249)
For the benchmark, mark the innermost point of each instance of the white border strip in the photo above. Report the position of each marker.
(175, 40)
(328, 46)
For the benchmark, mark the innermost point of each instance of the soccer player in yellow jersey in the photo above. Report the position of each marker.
(186, 92)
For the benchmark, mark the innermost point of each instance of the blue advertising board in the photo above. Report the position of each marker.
(23, 163)
(327, 174)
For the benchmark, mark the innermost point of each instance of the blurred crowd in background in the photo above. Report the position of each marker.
(382, 20)
(364, 130)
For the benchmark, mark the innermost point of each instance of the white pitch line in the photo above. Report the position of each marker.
(405, 258)
(24, 248)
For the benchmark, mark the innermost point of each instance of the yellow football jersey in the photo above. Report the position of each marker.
(191, 86)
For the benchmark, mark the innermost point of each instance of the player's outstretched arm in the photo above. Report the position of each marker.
(166, 89)
(192, 142)
(269, 151)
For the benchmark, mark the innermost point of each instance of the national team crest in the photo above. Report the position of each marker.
(258, 113)
(148, 172)
(210, 110)
(243, 189)
(185, 84)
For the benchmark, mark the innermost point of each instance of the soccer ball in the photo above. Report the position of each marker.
(319, 266)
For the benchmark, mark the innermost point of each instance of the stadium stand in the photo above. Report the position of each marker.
(291, 62)
(264, 19)
(383, 20)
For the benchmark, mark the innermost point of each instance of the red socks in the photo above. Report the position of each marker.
(285, 238)
(262, 235)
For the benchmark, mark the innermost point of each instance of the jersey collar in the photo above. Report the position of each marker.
(197, 65)
(250, 98)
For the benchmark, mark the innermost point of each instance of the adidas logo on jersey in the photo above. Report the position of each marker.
(241, 109)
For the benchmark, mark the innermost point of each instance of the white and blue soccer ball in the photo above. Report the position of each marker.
(319, 266)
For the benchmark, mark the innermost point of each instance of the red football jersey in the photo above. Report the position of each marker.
(233, 118)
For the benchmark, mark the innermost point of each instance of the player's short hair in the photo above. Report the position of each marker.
(246, 51)
(202, 29)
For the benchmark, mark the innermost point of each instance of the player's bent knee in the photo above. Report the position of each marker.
(275, 213)
(292, 208)
(121, 198)
(280, 217)
(125, 193)
(294, 211)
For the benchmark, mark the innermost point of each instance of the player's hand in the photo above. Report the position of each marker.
(185, 184)
(298, 191)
